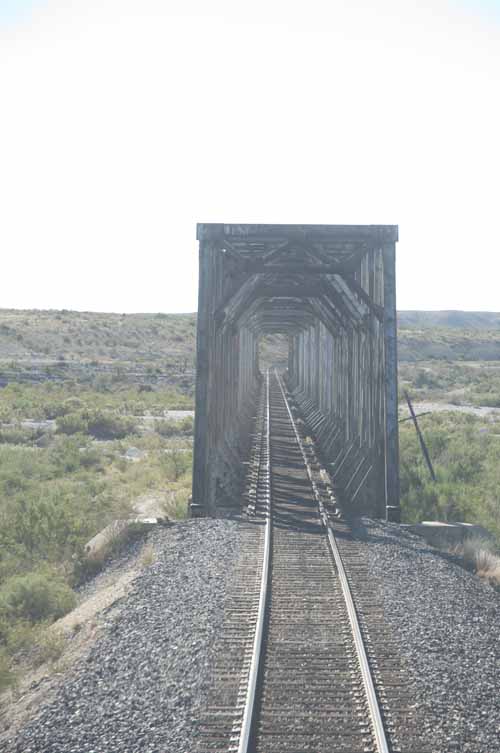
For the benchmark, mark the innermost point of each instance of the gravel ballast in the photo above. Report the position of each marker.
(446, 622)
(145, 681)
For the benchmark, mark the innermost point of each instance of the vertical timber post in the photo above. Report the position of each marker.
(199, 502)
(392, 506)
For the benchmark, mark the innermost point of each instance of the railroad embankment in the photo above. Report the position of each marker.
(142, 683)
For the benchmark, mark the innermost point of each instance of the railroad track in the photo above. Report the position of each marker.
(297, 670)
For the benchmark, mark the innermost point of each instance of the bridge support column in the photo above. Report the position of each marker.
(392, 506)
(198, 505)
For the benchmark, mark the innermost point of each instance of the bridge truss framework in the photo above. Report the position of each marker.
(331, 289)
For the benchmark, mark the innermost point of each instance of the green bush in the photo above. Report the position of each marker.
(55, 497)
(98, 423)
(72, 423)
(167, 428)
(187, 425)
(104, 425)
(465, 452)
(176, 462)
(49, 646)
(36, 597)
(55, 399)
(20, 637)
(19, 435)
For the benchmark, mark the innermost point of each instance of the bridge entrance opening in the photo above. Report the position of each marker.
(321, 300)
(273, 352)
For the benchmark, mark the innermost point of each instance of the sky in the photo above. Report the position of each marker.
(123, 124)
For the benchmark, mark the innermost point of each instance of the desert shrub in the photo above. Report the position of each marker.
(178, 508)
(19, 435)
(135, 407)
(36, 640)
(36, 597)
(167, 428)
(85, 569)
(49, 646)
(480, 555)
(187, 424)
(147, 556)
(53, 499)
(73, 453)
(6, 415)
(487, 399)
(104, 425)
(426, 378)
(176, 462)
(5, 627)
(102, 383)
(53, 408)
(72, 423)
(72, 404)
(98, 423)
(56, 399)
(21, 637)
(466, 456)
(90, 457)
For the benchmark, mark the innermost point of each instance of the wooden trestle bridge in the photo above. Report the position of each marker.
(331, 290)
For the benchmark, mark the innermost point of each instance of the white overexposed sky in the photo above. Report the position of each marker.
(124, 123)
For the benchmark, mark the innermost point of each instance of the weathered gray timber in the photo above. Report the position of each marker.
(332, 290)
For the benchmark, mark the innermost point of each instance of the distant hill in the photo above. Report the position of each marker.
(450, 335)
(89, 335)
(485, 320)
(37, 345)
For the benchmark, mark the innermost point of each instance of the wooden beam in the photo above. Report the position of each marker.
(203, 343)
(377, 310)
(358, 310)
(378, 234)
(241, 283)
(392, 505)
(336, 301)
(297, 268)
(326, 313)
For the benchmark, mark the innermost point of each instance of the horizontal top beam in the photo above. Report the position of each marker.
(220, 231)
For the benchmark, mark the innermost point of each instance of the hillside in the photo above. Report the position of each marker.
(478, 320)
(73, 335)
(36, 345)
(449, 335)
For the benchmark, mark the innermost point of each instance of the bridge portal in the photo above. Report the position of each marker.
(331, 290)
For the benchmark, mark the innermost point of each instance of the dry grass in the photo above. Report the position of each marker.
(479, 555)
(50, 646)
(147, 556)
(30, 646)
(7, 676)
(175, 505)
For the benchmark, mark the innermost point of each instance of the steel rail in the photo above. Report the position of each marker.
(253, 672)
(371, 695)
